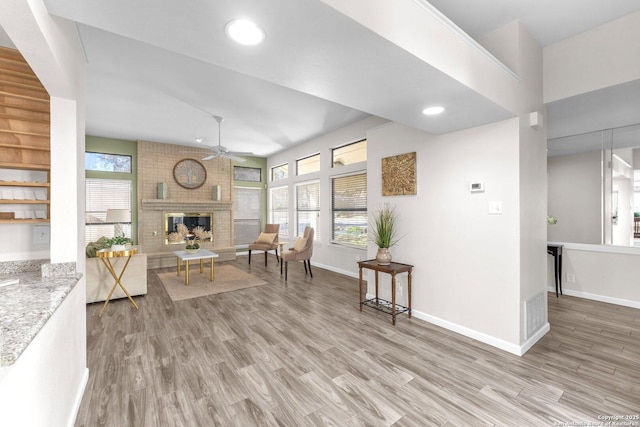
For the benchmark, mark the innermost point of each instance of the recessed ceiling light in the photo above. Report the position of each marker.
(245, 32)
(198, 139)
(432, 111)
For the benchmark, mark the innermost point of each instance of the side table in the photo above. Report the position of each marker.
(389, 307)
(105, 255)
(201, 255)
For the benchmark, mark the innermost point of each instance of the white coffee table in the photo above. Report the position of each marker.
(201, 255)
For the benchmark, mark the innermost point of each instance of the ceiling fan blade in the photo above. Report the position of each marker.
(236, 158)
(242, 153)
(209, 157)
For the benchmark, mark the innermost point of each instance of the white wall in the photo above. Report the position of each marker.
(514, 46)
(602, 57)
(467, 274)
(325, 254)
(602, 273)
(575, 190)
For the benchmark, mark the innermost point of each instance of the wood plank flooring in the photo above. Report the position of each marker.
(299, 353)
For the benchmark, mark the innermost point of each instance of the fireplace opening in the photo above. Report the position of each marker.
(194, 222)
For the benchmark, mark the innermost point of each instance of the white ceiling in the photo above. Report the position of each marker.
(157, 69)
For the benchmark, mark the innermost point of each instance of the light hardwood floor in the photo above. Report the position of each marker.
(301, 354)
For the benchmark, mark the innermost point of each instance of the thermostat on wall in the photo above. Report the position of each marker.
(476, 187)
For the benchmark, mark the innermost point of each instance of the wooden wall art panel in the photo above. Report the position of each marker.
(399, 175)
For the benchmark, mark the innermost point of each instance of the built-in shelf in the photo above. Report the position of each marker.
(26, 166)
(25, 147)
(23, 221)
(24, 184)
(186, 205)
(24, 141)
(23, 202)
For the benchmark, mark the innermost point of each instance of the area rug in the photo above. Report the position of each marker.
(227, 278)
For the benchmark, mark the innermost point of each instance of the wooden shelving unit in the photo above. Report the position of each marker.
(24, 131)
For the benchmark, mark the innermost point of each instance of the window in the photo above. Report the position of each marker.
(308, 164)
(279, 198)
(103, 162)
(240, 173)
(280, 172)
(308, 206)
(247, 214)
(349, 210)
(103, 194)
(348, 154)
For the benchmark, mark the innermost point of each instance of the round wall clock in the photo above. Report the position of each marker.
(189, 173)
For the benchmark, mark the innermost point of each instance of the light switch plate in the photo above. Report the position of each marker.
(41, 235)
(495, 208)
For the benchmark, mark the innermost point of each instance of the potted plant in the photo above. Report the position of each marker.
(192, 245)
(118, 243)
(384, 233)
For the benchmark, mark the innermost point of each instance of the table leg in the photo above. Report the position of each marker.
(186, 272)
(409, 294)
(211, 272)
(178, 258)
(393, 299)
(360, 287)
(556, 264)
(118, 282)
(560, 269)
(201, 265)
(377, 302)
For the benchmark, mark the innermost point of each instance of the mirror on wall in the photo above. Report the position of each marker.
(594, 187)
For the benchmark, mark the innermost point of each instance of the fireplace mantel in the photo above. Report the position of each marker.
(184, 205)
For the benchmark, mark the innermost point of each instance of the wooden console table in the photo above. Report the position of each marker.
(389, 307)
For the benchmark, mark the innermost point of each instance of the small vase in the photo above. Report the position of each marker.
(383, 256)
(116, 248)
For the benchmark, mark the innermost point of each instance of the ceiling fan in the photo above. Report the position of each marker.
(220, 151)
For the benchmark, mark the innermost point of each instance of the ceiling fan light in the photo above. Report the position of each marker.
(245, 32)
(432, 111)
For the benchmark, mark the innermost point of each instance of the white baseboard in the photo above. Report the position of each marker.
(337, 270)
(597, 297)
(324, 267)
(78, 400)
(534, 339)
(518, 350)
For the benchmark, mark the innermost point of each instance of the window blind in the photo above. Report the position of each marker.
(308, 206)
(103, 194)
(279, 198)
(247, 214)
(349, 209)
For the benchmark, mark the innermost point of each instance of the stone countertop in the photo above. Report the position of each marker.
(25, 307)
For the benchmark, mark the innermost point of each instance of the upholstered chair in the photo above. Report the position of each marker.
(301, 251)
(267, 241)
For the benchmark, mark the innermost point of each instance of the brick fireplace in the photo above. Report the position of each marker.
(155, 165)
